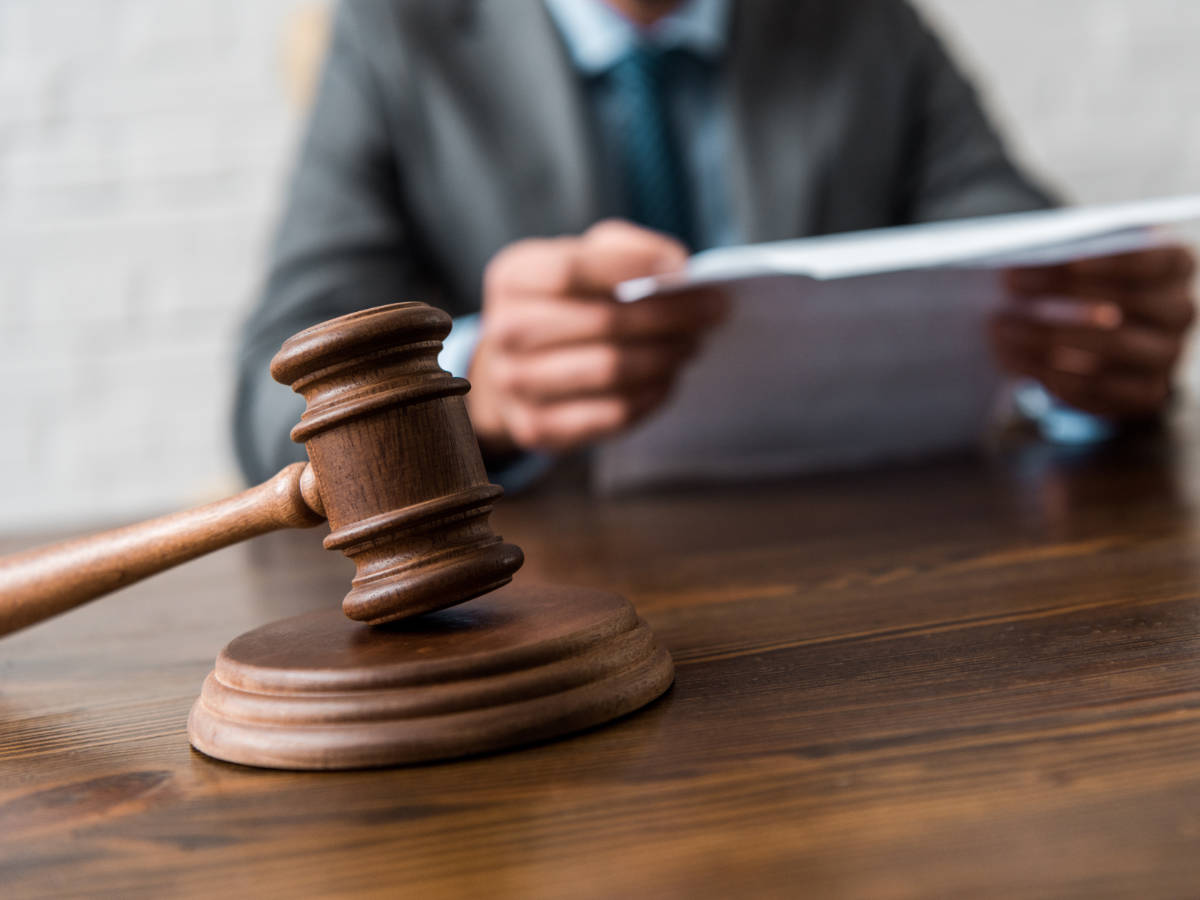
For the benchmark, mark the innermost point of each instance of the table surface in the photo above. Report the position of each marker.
(977, 677)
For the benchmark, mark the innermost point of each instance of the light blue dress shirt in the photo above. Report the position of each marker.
(596, 37)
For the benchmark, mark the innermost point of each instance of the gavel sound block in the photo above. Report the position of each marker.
(407, 674)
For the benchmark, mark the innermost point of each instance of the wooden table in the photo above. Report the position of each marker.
(975, 678)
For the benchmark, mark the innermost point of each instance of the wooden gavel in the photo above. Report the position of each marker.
(393, 466)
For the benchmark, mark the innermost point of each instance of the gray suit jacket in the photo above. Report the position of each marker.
(443, 131)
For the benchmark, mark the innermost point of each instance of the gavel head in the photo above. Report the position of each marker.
(396, 462)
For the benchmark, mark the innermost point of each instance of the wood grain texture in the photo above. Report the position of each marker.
(967, 679)
(519, 665)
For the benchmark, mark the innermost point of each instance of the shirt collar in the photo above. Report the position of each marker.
(597, 36)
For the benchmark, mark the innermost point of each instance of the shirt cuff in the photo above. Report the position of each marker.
(457, 351)
(1057, 422)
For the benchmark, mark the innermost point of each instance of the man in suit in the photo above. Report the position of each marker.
(511, 162)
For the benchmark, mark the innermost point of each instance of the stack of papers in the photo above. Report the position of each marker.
(855, 349)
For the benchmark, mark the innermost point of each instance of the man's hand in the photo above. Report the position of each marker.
(560, 362)
(1103, 335)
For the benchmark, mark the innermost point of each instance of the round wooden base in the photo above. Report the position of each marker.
(521, 664)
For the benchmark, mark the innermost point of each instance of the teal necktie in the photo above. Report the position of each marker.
(654, 173)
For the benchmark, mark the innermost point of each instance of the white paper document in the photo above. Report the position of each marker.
(854, 349)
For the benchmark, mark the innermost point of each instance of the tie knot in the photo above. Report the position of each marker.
(648, 64)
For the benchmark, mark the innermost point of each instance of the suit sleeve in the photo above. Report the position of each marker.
(958, 165)
(342, 245)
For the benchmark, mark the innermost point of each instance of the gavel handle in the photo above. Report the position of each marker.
(41, 583)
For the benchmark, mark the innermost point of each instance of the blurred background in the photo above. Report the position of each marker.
(143, 151)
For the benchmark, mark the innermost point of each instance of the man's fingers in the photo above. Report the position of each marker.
(615, 250)
(1015, 360)
(1051, 310)
(1107, 304)
(1114, 394)
(539, 323)
(1151, 285)
(1143, 267)
(1070, 348)
(592, 369)
(563, 426)
(537, 266)
(1156, 264)
(1121, 373)
(590, 266)
(1170, 306)
(1076, 378)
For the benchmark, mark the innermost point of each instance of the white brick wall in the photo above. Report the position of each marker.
(142, 148)
(1103, 96)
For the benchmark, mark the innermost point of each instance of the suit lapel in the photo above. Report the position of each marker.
(533, 98)
(769, 83)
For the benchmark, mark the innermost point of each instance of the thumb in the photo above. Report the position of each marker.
(614, 250)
